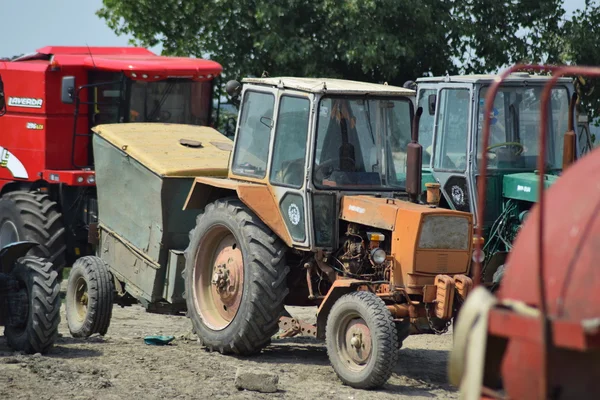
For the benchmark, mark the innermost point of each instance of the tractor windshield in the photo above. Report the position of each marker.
(515, 122)
(361, 143)
(172, 101)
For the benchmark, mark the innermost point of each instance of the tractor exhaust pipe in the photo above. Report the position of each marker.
(569, 142)
(414, 161)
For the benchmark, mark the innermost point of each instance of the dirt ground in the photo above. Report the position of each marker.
(120, 365)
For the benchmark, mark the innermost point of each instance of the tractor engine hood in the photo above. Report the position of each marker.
(425, 241)
(524, 186)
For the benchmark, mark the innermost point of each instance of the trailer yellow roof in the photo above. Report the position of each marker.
(171, 149)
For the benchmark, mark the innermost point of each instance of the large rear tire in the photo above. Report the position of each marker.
(39, 327)
(235, 279)
(34, 216)
(90, 292)
(361, 340)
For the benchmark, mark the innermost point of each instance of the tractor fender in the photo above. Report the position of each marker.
(339, 288)
(12, 252)
(259, 198)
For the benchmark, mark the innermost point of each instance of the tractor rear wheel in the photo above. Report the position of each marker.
(235, 279)
(37, 328)
(34, 216)
(362, 340)
(90, 291)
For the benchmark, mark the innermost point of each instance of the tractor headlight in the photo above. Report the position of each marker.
(91, 179)
(481, 256)
(378, 255)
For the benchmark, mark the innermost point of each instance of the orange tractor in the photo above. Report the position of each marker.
(539, 337)
(305, 208)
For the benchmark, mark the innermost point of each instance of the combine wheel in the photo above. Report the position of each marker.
(235, 279)
(33, 216)
(90, 291)
(362, 340)
(38, 306)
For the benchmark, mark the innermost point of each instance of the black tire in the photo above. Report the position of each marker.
(37, 218)
(379, 362)
(89, 301)
(40, 328)
(264, 279)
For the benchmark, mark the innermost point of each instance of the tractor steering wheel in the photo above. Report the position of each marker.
(319, 169)
(507, 144)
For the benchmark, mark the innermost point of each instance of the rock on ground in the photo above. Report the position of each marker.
(258, 381)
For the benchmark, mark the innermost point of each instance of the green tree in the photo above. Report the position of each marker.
(372, 40)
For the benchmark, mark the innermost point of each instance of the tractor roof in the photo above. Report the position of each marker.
(331, 86)
(512, 78)
(134, 61)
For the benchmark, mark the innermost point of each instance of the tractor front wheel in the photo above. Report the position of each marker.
(38, 306)
(361, 339)
(235, 279)
(90, 291)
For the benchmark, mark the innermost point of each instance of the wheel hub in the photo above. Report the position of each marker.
(358, 341)
(220, 279)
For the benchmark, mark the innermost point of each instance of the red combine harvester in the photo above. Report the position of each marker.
(56, 95)
(539, 338)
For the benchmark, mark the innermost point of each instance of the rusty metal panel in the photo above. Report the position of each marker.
(370, 211)
(174, 282)
(140, 206)
(144, 278)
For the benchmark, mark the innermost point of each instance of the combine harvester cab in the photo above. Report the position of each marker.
(451, 132)
(304, 209)
(539, 336)
(56, 96)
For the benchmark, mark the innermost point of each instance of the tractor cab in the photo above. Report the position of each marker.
(330, 138)
(451, 134)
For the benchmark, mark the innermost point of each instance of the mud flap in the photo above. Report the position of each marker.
(12, 252)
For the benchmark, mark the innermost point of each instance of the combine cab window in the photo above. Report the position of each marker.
(252, 146)
(452, 130)
(289, 151)
(106, 96)
(172, 101)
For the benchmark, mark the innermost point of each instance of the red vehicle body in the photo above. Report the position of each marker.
(53, 98)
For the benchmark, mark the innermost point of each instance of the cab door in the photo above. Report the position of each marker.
(287, 173)
(451, 150)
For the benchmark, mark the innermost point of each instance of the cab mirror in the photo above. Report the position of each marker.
(2, 99)
(431, 103)
(67, 93)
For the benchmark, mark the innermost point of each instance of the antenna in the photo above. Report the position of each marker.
(90, 51)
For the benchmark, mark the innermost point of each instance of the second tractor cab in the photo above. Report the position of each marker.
(451, 132)
(57, 95)
(309, 208)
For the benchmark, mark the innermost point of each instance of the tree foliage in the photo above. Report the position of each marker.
(372, 40)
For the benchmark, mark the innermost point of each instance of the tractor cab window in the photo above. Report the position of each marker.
(252, 145)
(174, 101)
(426, 126)
(361, 143)
(452, 130)
(514, 127)
(289, 151)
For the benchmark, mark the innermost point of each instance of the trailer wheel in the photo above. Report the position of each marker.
(235, 279)
(38, 325)
(34, 216)
(90, 291)
(361, 340)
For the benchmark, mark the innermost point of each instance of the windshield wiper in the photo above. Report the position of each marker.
(161, 102)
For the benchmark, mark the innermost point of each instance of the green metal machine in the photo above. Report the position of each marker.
(450, 131)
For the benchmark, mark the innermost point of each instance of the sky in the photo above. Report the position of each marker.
(31, 24)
